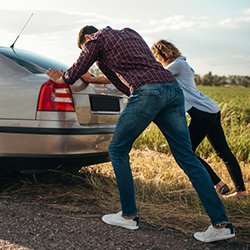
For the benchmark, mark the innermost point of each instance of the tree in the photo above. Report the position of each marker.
(207, 80)
(94, 70)
(232, 80)
(197, 79)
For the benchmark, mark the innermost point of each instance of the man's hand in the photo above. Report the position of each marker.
(55, 75)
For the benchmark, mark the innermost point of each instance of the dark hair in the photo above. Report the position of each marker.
(166, 50)
(86, 30)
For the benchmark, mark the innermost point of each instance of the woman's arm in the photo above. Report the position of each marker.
(99, 79)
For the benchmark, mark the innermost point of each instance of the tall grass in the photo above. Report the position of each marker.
(235, 118)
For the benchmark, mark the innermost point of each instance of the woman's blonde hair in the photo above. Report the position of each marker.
(165, 50)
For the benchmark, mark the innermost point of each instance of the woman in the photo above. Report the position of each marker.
(205, 116)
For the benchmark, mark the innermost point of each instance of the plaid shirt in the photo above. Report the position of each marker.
(123, 56)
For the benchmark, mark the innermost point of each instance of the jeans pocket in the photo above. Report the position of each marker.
(179, 101)
(149, 102)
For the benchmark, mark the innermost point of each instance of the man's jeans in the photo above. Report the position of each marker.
(162, 103)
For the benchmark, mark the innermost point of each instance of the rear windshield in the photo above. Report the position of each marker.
(33, 62)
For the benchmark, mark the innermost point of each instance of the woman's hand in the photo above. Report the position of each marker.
(87, 77)
(99, 79)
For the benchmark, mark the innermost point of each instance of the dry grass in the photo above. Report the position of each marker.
(164, 194)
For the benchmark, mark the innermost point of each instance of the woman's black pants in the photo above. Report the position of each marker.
(208, 125)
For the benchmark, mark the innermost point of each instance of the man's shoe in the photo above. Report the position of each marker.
(213, 234)
(118, 220)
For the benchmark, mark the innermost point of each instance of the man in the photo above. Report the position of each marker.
(155, 96)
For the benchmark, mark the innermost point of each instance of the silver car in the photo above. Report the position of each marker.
(44, 125)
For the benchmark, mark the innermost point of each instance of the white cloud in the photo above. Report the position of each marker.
(236, 22)
(243, 57)
(247, 11)
(92, 17)
(44, 22)
(177, 22)
(53, 32)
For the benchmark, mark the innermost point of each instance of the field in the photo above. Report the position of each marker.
(235, 111)
(165, 197)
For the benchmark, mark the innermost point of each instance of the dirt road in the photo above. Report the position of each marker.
(32, 226)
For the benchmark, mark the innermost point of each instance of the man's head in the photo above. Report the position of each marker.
(84, 34)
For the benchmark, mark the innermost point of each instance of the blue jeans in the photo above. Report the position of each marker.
(163, 104)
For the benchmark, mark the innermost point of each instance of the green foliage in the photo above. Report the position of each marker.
(213, 80)
(235, 111)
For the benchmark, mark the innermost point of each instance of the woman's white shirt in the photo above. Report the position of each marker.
(184, 74)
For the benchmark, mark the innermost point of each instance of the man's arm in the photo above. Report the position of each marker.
(80, 67)
(87, 57)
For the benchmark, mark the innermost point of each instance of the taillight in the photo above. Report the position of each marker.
(55, 97)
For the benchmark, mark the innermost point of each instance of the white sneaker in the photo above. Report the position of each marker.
(213, 234)
(118, 220)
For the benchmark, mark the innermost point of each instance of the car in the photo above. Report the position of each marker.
(44, 125)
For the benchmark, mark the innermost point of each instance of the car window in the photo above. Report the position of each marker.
(33, 62)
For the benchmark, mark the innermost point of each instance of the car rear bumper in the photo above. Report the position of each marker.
(36, 148)
(54, 142)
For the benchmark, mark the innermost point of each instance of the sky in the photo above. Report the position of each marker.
(214, 35)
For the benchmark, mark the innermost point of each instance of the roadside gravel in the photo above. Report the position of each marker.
(26, 226)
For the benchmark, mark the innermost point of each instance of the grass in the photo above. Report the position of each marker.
(165, 196)
(235, 118)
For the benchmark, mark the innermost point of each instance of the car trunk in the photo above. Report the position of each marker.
(97, 103)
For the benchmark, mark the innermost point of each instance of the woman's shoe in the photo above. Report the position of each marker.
(223, 190)
(240, 194)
